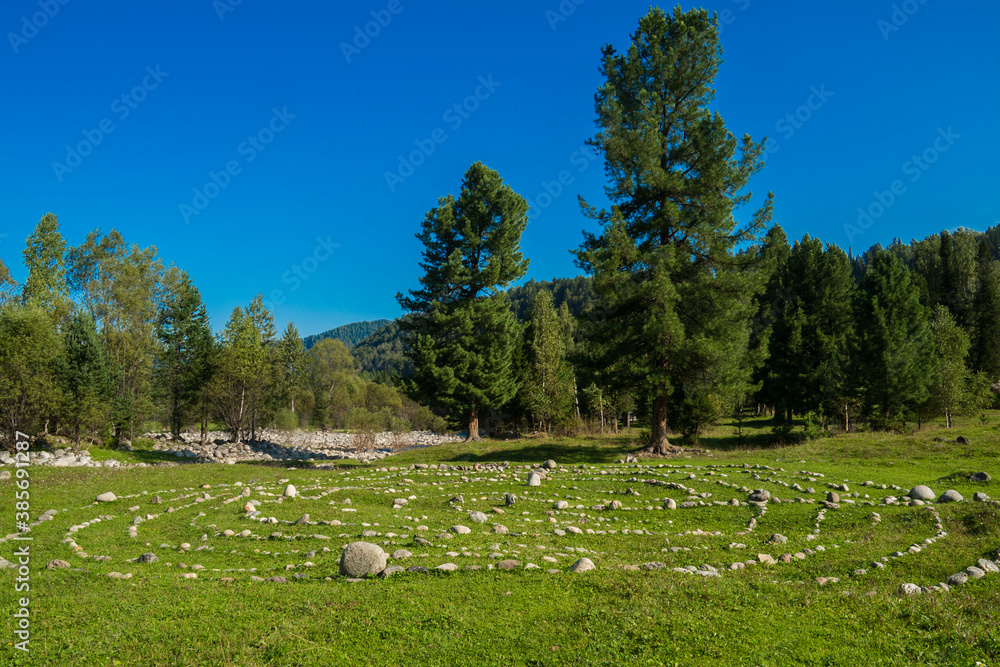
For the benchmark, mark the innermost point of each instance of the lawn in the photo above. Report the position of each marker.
(633, 609)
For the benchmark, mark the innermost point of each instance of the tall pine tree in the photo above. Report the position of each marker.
(675, 294)
(85, 378)
(462, 334)
(183, 363)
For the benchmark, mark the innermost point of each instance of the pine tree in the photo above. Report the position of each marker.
(812, 326)
(675, 295)
(184, 360)
(985, 353)
(84, 377)
(462, 334)
(291, 354)
(548, 386)
(45, 257)
(897, 360)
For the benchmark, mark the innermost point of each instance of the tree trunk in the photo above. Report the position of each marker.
(658, 443)
(473, 426)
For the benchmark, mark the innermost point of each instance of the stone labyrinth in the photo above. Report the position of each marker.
(681, 520)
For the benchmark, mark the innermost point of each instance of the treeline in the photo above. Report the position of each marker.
(102, 337)
(693, 312)
(348, 334)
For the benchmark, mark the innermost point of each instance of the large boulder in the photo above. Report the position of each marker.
(922, 492)
(360, 559)
(951, 496)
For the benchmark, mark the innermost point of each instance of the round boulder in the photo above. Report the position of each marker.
(290, 491)
(477, 517)
(980, 477)
(550, 464)
(362, 558)
(582, 565)
(460, 530)
(106, 498)
(951, 496)
(922, 492)
(534, 479)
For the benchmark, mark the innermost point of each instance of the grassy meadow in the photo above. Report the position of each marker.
(546, 615)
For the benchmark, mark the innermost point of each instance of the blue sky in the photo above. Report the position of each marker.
(251, 147)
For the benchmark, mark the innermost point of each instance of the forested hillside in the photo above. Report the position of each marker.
(348, 334)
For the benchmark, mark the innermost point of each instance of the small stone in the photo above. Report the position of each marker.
(303, 520)
(582, 565)
(962, 440)
(908, 590)
(980, 497)
(57, 564)
(106, 498)
(508, 564)
(389, 571)
(833, 497)
(460, 530)
(534, 479)
(550, 464)
(975, 572)
(477, 517)
(957, 579)
(562, 504)
(670, 504)
(277, 580)
(401, 554)
(148, 558)
(980, 477)
(290, 491)
(447, 567)
(778, 538)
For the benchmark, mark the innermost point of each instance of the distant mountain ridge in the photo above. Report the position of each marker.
(349, 334)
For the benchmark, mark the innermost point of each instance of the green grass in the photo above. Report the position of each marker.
(764, 615)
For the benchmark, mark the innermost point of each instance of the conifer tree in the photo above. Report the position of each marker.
(548, 388)
(985, 354)
(462, 334)
(675, 292)
(84, 377)
(897, 360)
(184, 360)
(812, 326)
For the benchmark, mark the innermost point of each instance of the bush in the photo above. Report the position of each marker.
(286, 420)
(437, 425)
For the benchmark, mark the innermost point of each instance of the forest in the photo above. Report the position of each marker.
(687, 311)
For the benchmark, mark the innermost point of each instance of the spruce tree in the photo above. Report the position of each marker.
(985, 354)
(183, 363)
(812, 326)
(84, 378)
(462, 334)
(291, 354)
(675, 292)
(548, 388)
(897, 362)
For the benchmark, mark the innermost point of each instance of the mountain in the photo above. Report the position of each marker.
(349, 334)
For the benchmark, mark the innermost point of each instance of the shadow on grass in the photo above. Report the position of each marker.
(566, 452)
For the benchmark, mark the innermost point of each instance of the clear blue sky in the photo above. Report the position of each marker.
(201, 78)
